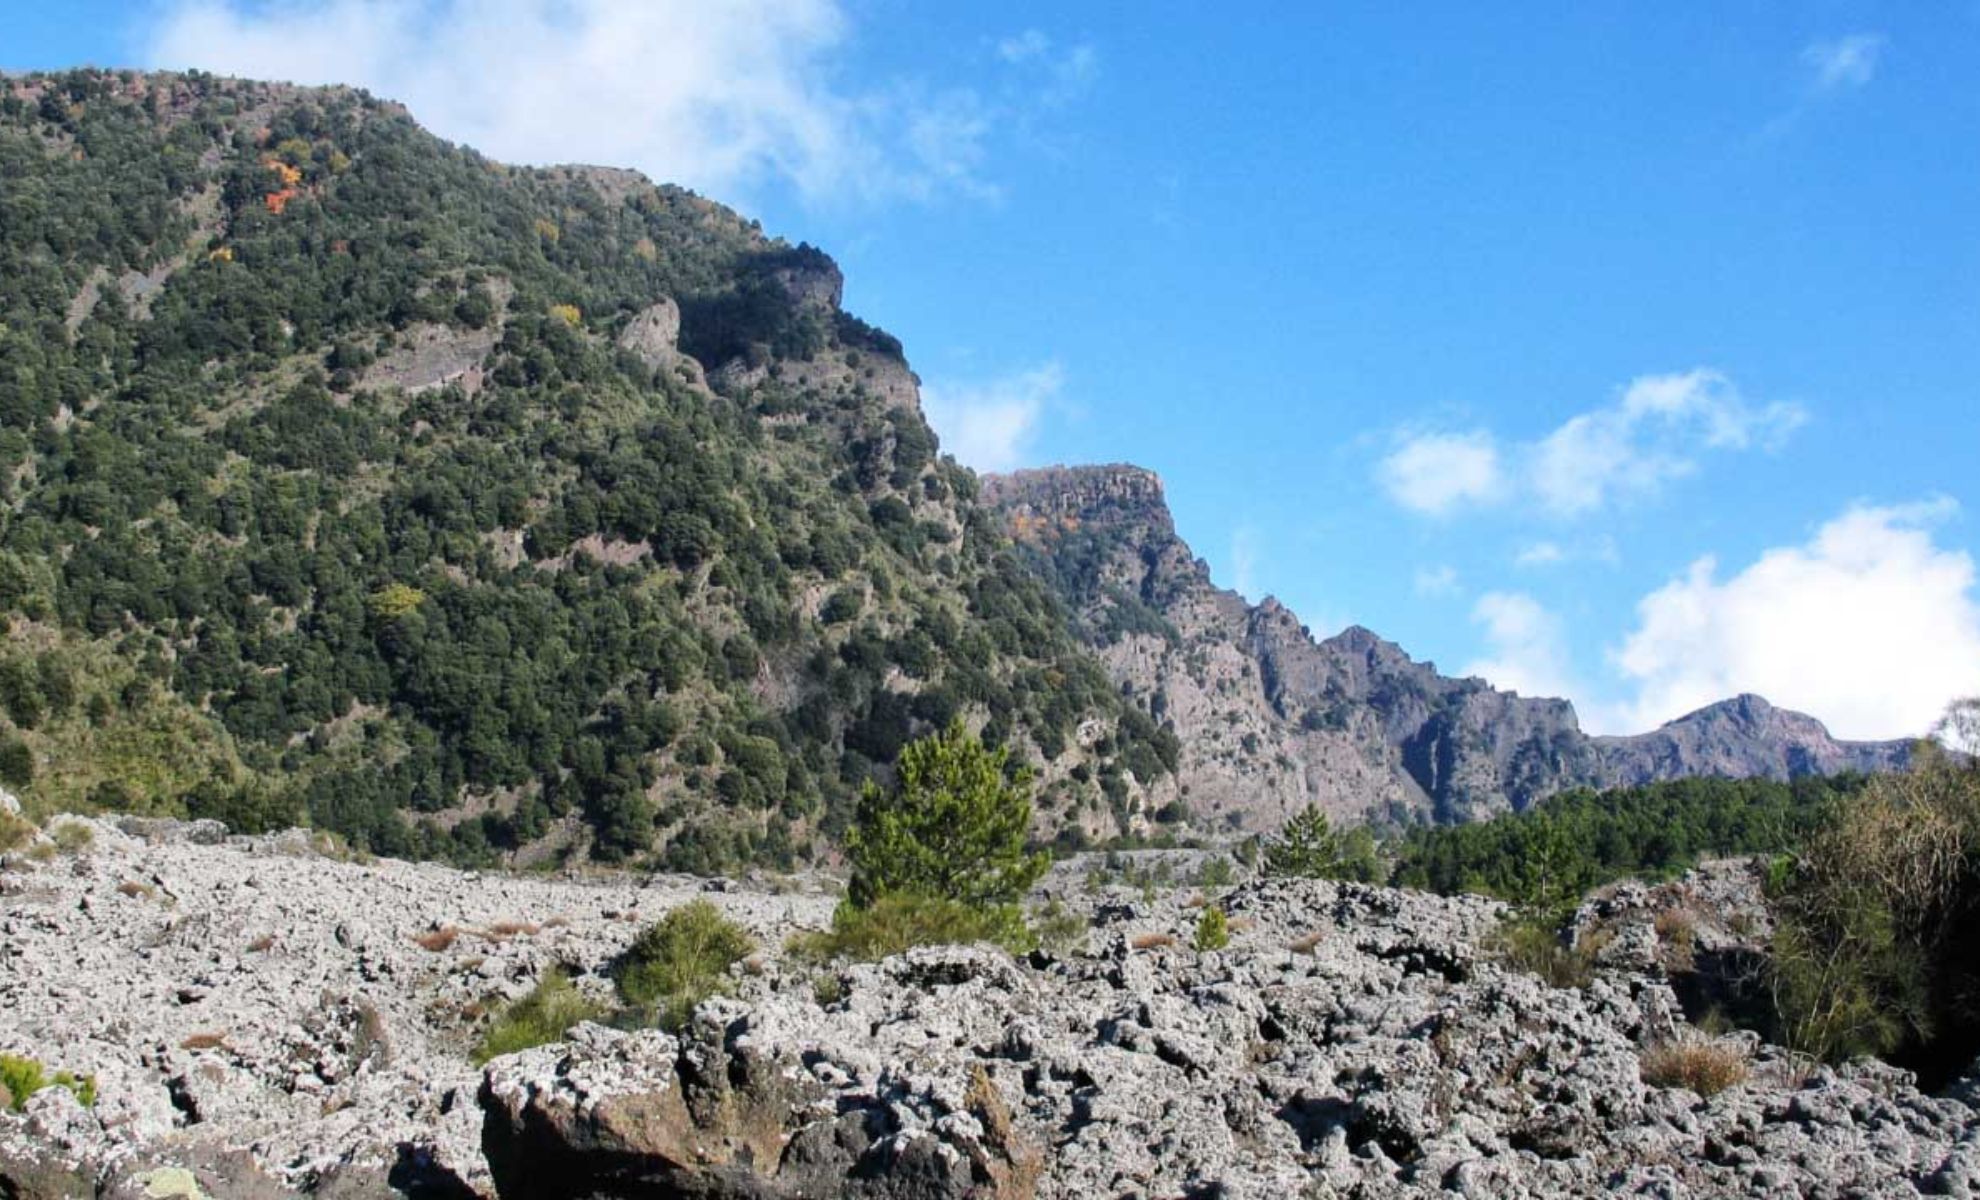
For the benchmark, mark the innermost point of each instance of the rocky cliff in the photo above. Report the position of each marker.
(261, 1020)
(1271, 719)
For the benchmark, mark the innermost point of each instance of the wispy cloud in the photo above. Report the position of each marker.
(991, 424)
(1245, 552)
(726, 98)
(1437, 581)
(1654, 433)
(1436, 473)
(1845, 62)
(1526, 646)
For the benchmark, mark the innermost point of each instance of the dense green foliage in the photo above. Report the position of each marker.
(899, 921)
(1877, 939)
(1557, 850)
(21, 1078)
(1213, 929)
(679, 961)
(1309, 847)
(248, 572)
(954, 827)
(543, 1016)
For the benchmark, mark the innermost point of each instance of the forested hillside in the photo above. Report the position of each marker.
(464, 509)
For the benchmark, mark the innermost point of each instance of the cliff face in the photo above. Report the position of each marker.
(1271, 719)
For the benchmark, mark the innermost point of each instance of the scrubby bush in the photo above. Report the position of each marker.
(1535, 944)
(1213, 929)
(1058, 928)
(15, 831)
(1877, 937)
(543, 1016)
(900, 921)
(1705, 1067)
(679, 961)
(23, 1077)
(71, 836)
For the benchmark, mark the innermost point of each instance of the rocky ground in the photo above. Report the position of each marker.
(262, 1019)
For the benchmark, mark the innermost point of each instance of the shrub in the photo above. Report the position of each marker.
(1677, 937)
(1534, 945)
(543, 1016)
(71, 837)
(15, 831)
(902, 920)
(1213, 930)
(679, 961)
(1707, 1068)
(1877, 939)
(953, 828)
(23, 1077)
(1216, 872)
(1058, 928)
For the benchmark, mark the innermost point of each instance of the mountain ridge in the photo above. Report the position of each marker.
(1351, 721)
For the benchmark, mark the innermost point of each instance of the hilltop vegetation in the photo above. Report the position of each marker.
(334, 486)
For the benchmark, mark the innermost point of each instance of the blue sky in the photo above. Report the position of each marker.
(1629, 352)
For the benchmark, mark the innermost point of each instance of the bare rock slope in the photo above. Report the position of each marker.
(1272, 719)
(261, 1020)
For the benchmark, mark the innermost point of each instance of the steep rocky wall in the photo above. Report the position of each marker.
(1272, 719)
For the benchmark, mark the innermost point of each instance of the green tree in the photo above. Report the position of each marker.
(953, 827)
(1309, 847)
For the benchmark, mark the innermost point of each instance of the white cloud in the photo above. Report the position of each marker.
(1436, 581)
(1545, 553)
(1527, 646)
(724, 97)
(1654, 433)
(1434, 473)
(1244, 562)
(1870, 626)
(1540, 554)
(1844, 62)
(1062, 73)
(1648, 438)
(990, 424)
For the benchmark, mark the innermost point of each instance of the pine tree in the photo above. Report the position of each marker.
(1309, 847)
(953, 827)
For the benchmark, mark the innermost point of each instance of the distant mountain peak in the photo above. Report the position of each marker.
(1271, 719)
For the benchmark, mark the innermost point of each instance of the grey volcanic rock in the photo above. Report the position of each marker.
(1272, 719)
(250, 995)
(1350, 1040)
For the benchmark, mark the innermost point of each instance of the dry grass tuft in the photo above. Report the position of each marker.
(1677, 937)
(204, 1041)
(1152, 941)
(262, 944)
(437, 940)
(1307, 943)
(502, 930)
(1707, 1068)
(136, 890)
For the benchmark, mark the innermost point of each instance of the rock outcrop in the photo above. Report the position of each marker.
(1272, 719)
(260, 1020)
